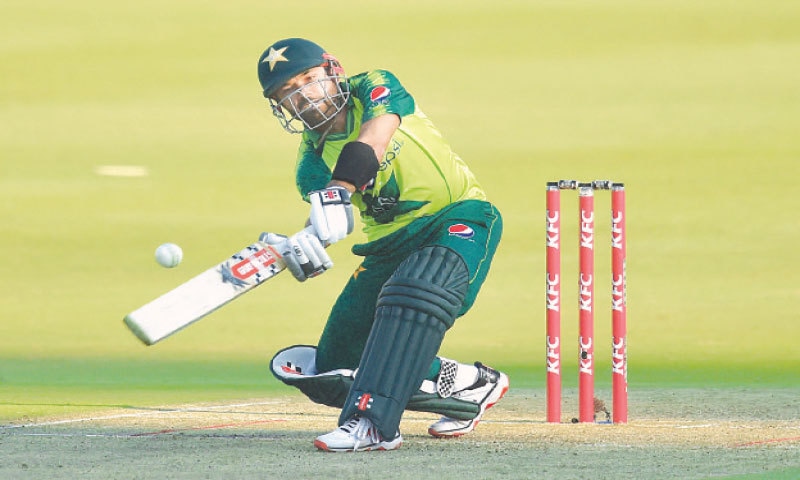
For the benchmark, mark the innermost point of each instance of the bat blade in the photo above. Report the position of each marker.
(206, 292)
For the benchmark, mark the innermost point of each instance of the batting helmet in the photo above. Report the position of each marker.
(286, 58)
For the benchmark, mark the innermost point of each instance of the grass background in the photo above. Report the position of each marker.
(694, 106)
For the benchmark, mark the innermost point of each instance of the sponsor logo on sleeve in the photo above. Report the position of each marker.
(379, 94)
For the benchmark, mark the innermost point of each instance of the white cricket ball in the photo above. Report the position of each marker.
(169, 255)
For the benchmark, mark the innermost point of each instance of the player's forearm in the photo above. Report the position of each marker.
(378, 131)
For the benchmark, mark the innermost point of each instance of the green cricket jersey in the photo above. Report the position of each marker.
(419, 175)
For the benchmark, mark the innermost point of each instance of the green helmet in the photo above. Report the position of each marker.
(300, 109)
(286, 58)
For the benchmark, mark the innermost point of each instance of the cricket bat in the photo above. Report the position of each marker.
(205, 293)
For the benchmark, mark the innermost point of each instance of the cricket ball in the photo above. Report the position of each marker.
(169, 255)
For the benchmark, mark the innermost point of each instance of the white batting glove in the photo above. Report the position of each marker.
(331, 213)
(303, 253)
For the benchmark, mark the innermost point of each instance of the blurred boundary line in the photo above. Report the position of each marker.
(148, 412)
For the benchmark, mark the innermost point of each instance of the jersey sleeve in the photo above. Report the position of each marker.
(381, 92)
(311, 172)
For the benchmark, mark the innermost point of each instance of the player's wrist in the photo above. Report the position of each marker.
(341, 183)
(357, 165)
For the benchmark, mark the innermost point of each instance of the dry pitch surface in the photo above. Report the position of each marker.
(680, 434)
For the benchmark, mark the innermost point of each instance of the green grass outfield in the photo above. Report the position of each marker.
(694, 105)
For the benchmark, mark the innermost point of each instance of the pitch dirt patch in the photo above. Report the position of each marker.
(681, 435)
(516, 419)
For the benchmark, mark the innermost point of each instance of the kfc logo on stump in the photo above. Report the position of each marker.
(461, 231)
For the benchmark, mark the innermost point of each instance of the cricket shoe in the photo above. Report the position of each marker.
(357, 435)
(487, 390)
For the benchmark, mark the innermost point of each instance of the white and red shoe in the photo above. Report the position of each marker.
(486, 391)
(357, 435)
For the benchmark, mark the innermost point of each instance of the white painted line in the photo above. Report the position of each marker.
(154, 411)
(121, 171)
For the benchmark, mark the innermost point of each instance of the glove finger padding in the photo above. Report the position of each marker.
(302, 253)
(319, 251)
(331, 213)
(311, 250)
(295, 259)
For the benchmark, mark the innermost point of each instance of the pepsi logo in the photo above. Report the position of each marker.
(461, 231)
(379, 94)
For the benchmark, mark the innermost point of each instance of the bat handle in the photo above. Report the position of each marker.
(276, 240)
(311, 231)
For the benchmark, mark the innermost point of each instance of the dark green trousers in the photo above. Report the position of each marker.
(471, 228)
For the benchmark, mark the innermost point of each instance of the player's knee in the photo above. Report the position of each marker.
(432, 281)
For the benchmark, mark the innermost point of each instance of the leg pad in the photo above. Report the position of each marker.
(295, 366)
(416, 306)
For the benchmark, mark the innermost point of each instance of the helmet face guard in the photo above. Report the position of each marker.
(314, 104)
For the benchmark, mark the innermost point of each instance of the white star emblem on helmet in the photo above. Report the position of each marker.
(275, 56)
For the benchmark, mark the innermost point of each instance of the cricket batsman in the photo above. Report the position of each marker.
(431, 235)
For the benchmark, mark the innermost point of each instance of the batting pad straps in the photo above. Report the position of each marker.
(357, 165)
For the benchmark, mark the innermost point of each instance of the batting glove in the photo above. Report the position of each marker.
(302, 253)
(331, 213)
